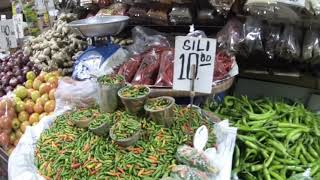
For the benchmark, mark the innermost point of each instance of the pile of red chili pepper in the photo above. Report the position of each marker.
(67, 152)
(275, 140)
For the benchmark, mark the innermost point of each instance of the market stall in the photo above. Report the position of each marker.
(144, 90)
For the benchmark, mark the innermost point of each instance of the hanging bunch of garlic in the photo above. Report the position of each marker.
(53, 49)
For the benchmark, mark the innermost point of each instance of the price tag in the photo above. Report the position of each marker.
(299, 3)
(18, 20)
(200, 52)
(7, 35)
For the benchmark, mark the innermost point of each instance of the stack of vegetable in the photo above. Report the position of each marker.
(275, 140)
(64, 151)
(53, 49)
(13, 70)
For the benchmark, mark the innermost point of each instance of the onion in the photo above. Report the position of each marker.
(21, 79)
(4, 139)
(8, 89)
(13, 82)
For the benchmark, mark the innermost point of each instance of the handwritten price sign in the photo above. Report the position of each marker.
(7, 35)
(194, 51)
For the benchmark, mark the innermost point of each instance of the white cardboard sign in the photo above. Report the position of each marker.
(198, 51)
(7, 34)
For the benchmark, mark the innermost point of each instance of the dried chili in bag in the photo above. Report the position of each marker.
(165, 75)
(149, 67)
(129, 68)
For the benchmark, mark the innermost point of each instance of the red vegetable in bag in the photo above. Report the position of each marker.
(223, 65)
(129, 68)
(148, 70)
(165, 75)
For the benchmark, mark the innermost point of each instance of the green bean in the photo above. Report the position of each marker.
(275, 175)
(111, 79)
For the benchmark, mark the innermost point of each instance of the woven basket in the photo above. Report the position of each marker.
(218, 88)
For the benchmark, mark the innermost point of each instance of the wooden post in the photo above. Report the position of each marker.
(192, 92)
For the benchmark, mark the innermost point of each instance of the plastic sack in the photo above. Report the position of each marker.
(130, 67)
(252, 37)
(7, 115)
(144, 38)
(194, 158)
(71, 93)
(230, 35)
(21, 164)
(149, 67)
(188, 173)
(158, 17)
(180, 15)
(165, 75)
(98, 61)
(119, 9)
(289, 44)
(272, 38)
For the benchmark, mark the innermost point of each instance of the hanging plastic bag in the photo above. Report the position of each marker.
(149, 68)
(315, 5)
(289, 45)
(252, 40)
(158, 16)
(222, 6)
(119, 9)
(165, 75)
(229, 36)
(260, 7)
(130, 67)
(272, 38)
(310, 48)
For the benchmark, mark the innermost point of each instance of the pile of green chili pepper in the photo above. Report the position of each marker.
(275, 140)
(110, 79)
(125, 128)
(158, 103)
(83, 114)
(67, 152)
(134, 91)
(101, 119)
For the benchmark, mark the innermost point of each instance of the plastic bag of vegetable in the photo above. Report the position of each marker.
(149, 67)
(302, 176)
(289, 45)
(188, 173)
(21, 164)
(311, 39)
(271, 39)
(229, 36)
(130, 67)
(144, 38)
(190, 156)
(165, 75)
(252, 37)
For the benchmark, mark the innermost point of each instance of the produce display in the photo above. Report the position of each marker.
(134, 91)
(110, 79)
(13, 70)
(275, 140)
(100, 120)
(53, 49)
(126, 127)
(65, 151)
(158, 104)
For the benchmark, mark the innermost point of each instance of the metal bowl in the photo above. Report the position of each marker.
(100, 25)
